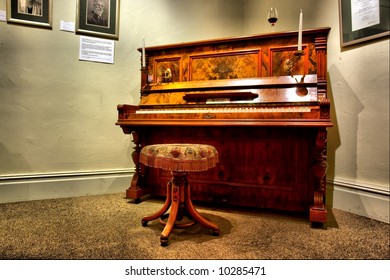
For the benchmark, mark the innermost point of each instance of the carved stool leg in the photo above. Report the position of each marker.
(163, 209)
(197, 217)
(178, 184)
(179, 202)
(179, 179)
(175, 204)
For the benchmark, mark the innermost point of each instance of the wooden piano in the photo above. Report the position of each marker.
(258, 100)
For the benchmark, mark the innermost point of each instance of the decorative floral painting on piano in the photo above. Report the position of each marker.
(232, 65)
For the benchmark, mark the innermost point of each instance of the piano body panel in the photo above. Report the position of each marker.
(269, 127)
(265, 167)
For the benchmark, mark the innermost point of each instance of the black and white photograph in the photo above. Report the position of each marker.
(98, 18)
(30, 12)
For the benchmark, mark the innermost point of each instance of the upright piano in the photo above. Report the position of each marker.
(258, 99)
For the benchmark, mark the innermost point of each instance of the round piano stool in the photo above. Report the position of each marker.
(179, 159)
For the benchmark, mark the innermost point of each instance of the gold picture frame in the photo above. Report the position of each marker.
(30, 12)
(98, 18)
(364, 20)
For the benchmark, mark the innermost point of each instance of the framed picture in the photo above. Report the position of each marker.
(363, 20)
(98, 18)
(30, 12)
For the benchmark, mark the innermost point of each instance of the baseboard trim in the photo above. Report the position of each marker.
(359, 198)
(25, 187)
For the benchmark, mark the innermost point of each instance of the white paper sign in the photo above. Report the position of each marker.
(364, 13)
(98, 50)
(67, 26)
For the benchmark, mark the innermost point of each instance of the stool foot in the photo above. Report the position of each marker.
(164, 241)
(170, 222)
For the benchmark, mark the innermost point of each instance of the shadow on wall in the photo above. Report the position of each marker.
(345, 110)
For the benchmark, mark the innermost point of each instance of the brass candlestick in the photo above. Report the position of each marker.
(288, 68)
(289, 64)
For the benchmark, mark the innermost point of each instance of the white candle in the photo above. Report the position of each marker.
(300, 31)
(143, 52)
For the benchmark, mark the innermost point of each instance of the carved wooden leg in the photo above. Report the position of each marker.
(135, 191)
(318, 211)
(175, 202)
(179, 201)
(163, 209)
(197, 217)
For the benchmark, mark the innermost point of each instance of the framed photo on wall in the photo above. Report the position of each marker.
(98, 18)
(30, 12)
(363, 20)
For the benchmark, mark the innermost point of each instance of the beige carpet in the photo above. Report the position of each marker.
(109, 227)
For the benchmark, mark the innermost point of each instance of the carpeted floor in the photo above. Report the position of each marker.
(109, 227)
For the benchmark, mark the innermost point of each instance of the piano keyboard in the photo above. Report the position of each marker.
(300, 109)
